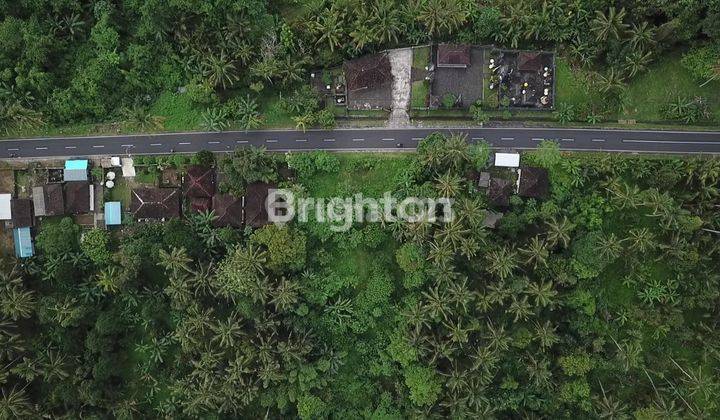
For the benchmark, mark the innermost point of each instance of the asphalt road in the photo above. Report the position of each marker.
(629, 141)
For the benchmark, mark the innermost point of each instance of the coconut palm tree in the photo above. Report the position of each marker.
(543, 293)
(174, 261)
(285, 295)
(502, 262)
(520, 308)
(536, 252)
(109, 279)
(14, 404)
(456, 150)
(330, 25)
(448, 185)
(386, 20)
(609, 246)
(637, 62)
(545, 335)
(559, 231)
(611, 82)
(16, 302)
(607, 26)
(437, 303)
(220, 70)
(626, 196)
(641, 239)
(642, 36)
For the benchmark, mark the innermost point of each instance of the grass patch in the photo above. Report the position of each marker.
(419, 94)
(572, 85)
(178, 112)
(421, 57)
(120, 192)
(147, 177)
(369, 174)
(648, 93)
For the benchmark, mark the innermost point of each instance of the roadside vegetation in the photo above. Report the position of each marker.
(78, 67)
(600, 301)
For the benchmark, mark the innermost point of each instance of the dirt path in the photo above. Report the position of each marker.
(400, 63)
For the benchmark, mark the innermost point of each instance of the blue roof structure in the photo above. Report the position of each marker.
(112, 213)
(23, 242)
(76, 164)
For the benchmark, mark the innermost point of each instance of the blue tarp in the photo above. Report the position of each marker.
(112, 213)
(23, 242)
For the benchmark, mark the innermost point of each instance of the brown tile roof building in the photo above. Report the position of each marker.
(367, 72)
(534, 183)
(228, 210)
(529, 61)
(255, 210)
(453, 55)
(155, 203)
(200, 204)
(499, 192)
(200, 182)
(22, 212)
(77, 197)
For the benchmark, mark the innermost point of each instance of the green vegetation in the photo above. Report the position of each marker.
(419, 93)
(421, 58)
(578, 304)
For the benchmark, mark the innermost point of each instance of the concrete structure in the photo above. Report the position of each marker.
(76, 170)
(5, 207)
(507, 160)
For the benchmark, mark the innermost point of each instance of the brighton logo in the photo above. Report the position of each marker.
(341, 213)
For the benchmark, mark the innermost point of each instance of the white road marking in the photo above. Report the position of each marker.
(567, 139)
(127, 145)
(241, 141)
(213, 142)
(271, 141)
(672, 142)
(185, 143)
(358, 139)
(507, 138)
(70, 147)
(41, 148)
(299, 140)
(537, 139)
(388, 139)
(478, 138)
(13, 149)
(598, 140)
(328, 140)
(98, 146)
(155, 144)
(420, 138)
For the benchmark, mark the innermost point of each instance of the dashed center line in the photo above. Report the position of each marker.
(271, 140)
(13, 149)
(241, 141)
(299, 140)
(155, 144)
(478, 138)
(671, 142)
(420, 138)
(98, 146)
(127, 145)
(358, 139)
(567, 139)
(388, 139)
(213, 142)
(537, 139)
(507, 138)
(328, 140)
(598, 140)
(184, 143)
(41, 148)
(70, 147)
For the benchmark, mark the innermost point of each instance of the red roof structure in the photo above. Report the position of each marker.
(367, 72)
(453, 55)
(200, 182)
(534, 183)
(499, 192)
(228, 210)
(255, 211)
(22, 212)
(155, 203)
(77, 197)
(529, 61)
(200, 204)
